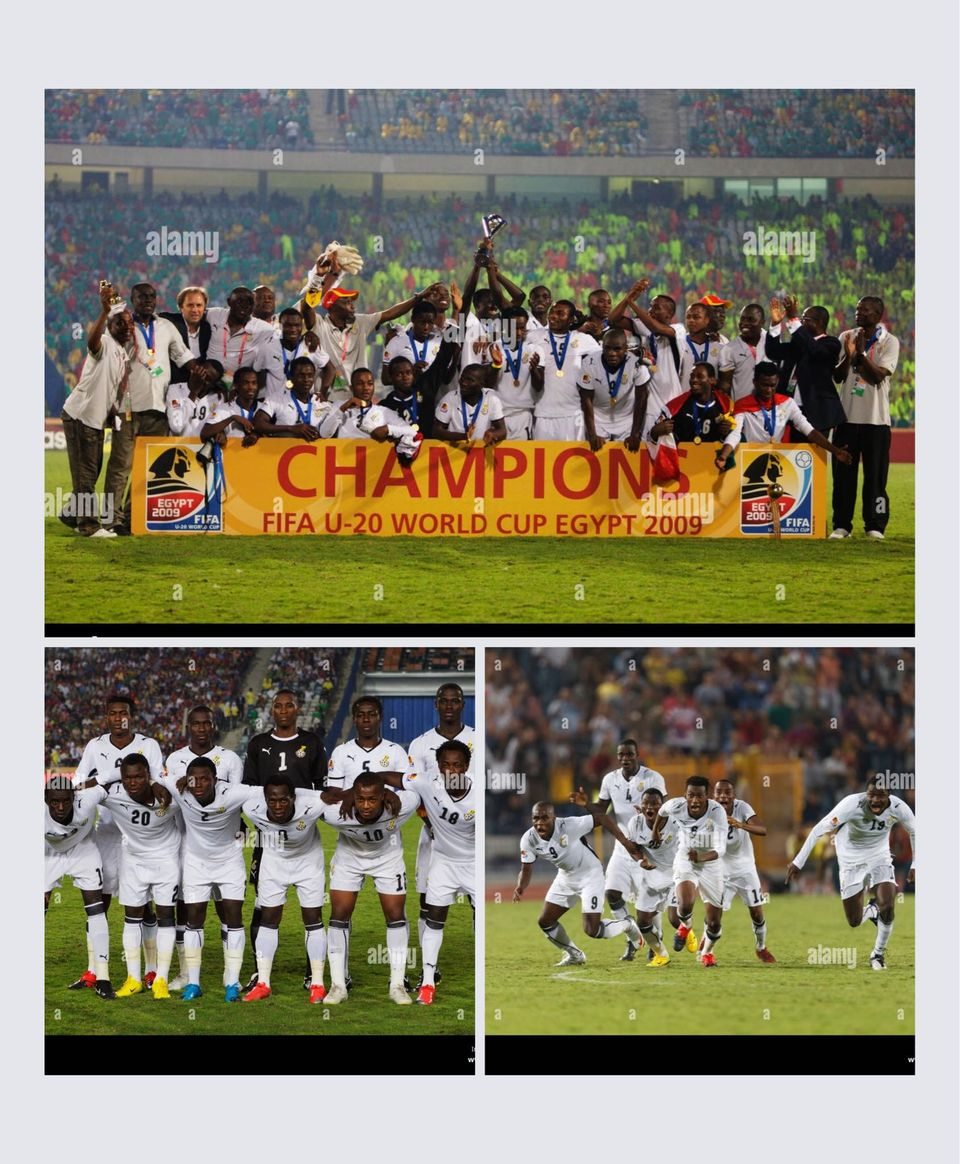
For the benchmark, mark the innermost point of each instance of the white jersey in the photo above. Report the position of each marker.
(453, 821)
(356, 423)
(614, 394)
(663, 857)
(229, 765)
(701, 833)
(61, 838)
(513, 383)
(423, 750)
(350, 760)
(567, 848)
(693, 353)
(861, 836)
(370, 839)
(149, 831)
(739, 852)
(753, 422)
(101, 759)
(625, 794)
(741, 358)
(459, 416)
(291, 839)
(186, 417)
(211, 829)
(561, 372)
(664, 375)
(318, 358)
(286, 408)
(416, 351)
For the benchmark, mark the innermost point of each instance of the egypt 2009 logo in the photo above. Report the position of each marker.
(183, 495)
(792, 471)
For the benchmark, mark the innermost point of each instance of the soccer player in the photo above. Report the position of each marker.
(212, 862)
(558, 414)
(539, 301)
(100, 762)
(361, 418)
(285, 751)
(598, 313)
(70, 851)
(740, 877)
(702, 414)
(512, 382)
(294, 344)
(737, 359)
(198, 402)
(702, 827)
(367, 751)
(470, 412)
(653, 884)
(696, 345)
(862, 823)
(298, 412)
(420, 343)
(662, 335)
(579, 874)
(612, 392)
(149, 868)
(291, 854)
(228, 767)
(369, 845)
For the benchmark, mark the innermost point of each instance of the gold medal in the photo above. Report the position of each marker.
(697, 440)
(559, 371)
(289, 383)
(469, 432)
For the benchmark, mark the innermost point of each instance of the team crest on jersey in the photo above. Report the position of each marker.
(301, 825)
(791, 471)
(391, 824)
(563, 841)
(222, 809)
(161, 811)
(176, 496)
(470, 815)
(385, 762)
(301, 751)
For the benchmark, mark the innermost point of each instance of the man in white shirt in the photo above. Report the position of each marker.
(612, 393)
(869, 359)
(89, 407)
(361, 418)
(662, 336)
(539, 302)
(740, 877)
(737, 359)
(192, 325)
(192, 405)
(558, 414)
(293, 345)
(238, 340)
(420, 342)
(513, 382)
(470, 412)
(297, 412)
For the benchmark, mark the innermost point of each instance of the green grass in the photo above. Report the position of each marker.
(173, 580)
(526, 994)
(287, 1011)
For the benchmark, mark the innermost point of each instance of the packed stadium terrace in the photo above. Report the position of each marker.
(165, 682)
(531, 122)
(782, 712)
(686, 249)
(311, 672)
(234, 119)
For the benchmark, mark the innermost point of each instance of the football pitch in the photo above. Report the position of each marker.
(368, 1010)
(190, 579)
(527, 994)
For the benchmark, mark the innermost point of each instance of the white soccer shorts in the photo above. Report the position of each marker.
(864, 875)
(743, 883)
(109, 844)
(588, 886)
(202, 879)
(142, 880)
(558, 428)
(278, 873)
(707, 877)
(349, 870)
(519, 424)
(81, 863)
(611, 431)
(424, 854)
(622, 873)
(655, 890)
(448, 879)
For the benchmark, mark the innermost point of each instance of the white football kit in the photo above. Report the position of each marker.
(292, 850)
(516, 391)
(654, 887)
(69, 849)
(579, 872)
(624, 796)
(453, 822)
(212, 851)
(862, 841)
(150, 852)
(370, 849)
(740, 878)
(558, 415)
(229, 764)
(460, 417)
(614, 394)
(349, 760)
(101, 759)
(701, 833)
(423, 754)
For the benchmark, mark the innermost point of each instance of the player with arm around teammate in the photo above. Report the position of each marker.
(740, 877)
(563, 842)
(702, 827)
(70, 851)
(862, 823)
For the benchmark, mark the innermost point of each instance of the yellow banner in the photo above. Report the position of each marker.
(524, 488)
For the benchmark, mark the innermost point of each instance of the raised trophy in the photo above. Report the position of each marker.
(491, 224)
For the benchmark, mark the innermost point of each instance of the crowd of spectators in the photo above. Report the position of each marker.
(685, 248)
(311, 673)
(202, 118)
(797, 123)
(165, 682)
(558, 707)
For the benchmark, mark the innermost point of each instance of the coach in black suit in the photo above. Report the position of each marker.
(813, 356)
(191, 322)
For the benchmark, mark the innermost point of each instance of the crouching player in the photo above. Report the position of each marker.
(740, 878)
(862, 823)
(70, 851)
(653, 883)
(563, 842)
(702, 827)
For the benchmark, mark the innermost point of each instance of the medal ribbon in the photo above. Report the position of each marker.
(613, 387)
(698, 420)
(286, 362)
(770, 423)
(558, 359)
(418, 357)
(304, 417)
(514, 366)
(148, 335)
(693, 348)
(476, 413)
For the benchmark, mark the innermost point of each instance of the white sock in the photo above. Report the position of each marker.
(267, 939)
(317, 953)
(166, 940)
(421, 926)
(558, 935)
(233, 958)
(430, 945)
(398, 938)
(91, 953)
(654, 941)
(193, 953)
(883, 936)
(98, 934)
(658, 928)
(337, 953)
(181, 953)
(708, 941)
(131, 947)
(610, 929)
(150, 947)
(620, 912)
(760, 933)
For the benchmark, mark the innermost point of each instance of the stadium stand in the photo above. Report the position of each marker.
(313, 673)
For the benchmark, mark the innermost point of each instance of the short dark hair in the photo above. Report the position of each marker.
(199, 709)
(765, 368)
(135, 759)
(291, 311)
(202, 762)
(300, 361)
(698, 782)
(120, 697)
(368, 778)
(449, 687)
(669, 298)
(821, 315)
(457, 746)
(242, 371)
(357, 372)
(421, 308)
(515, 312)
(217, 367)
(652, 792)
(400, 360)
(708, 365)
(366, 699)
(629, 742)
(279, 782)
(755, 307)
(873, 299)
(287, 691)
(566, 303)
